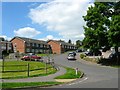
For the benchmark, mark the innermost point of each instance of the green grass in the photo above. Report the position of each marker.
(42, 55)
(27, 84)
(70, 74)
(116, 66)
(36, 69)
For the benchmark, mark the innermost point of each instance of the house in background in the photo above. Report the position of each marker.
(5, 46)
(28, 45)
(59, 46)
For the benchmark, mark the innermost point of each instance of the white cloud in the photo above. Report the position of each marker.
(62, 17)
(6, 37)
(49, 37)
(26, 32)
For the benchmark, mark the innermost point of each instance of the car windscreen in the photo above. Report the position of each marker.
(71, 55)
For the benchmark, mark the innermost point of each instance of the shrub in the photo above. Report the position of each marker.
(82, 56)
(91, 59)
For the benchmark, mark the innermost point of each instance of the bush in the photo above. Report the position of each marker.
(82, 56)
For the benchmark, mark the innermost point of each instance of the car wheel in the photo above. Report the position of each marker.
(35, 59)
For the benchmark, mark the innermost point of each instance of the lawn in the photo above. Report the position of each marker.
(19, 69)
(27, 84)
(42, 55)
(70, 74)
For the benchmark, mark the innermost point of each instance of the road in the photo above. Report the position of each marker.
(96, 76)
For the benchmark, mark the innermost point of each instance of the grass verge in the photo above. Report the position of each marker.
(19, 69)
(42, 55)
(116, 66)
(27, 84)
(70, 74)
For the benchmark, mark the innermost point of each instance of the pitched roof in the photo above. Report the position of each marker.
(62, 42)
(29, 40)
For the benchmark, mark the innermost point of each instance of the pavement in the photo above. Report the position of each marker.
(50, 77)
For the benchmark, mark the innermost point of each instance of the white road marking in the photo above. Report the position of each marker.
(72, 83)
(79, 81)
(83, 80)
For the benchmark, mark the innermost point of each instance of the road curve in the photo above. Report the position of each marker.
(96, 76)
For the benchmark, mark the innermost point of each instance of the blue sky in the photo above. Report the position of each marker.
(15, 16)
(43, 20)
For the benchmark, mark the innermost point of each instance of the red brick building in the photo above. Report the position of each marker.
(59, 46)
(5, 47)
(27, 45)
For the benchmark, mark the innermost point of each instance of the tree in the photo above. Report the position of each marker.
(69, 41)
(114, 28)
(78, 43)
(97, 20)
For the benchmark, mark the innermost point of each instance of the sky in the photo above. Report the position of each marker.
(44, 20)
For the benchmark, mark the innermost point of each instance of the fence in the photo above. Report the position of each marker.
(26, 69)
(6, 71)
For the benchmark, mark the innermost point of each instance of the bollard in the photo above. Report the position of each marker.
(76, 70)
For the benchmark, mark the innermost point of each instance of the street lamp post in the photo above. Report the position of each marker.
(60, 48)
(0, 51)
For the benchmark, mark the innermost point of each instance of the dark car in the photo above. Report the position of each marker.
(79, 50)
(88, 53)
(91, 53)
(113, 56)
(31, 57)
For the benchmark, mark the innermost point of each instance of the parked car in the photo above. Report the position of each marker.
(79, 50)
(72, 53)
(71, 57)
(113, 56)
(91, 53)
(31, 57)
(88, 53)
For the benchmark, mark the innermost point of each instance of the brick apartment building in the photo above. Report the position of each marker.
(27, 45)
(5, 46)
(60, 46)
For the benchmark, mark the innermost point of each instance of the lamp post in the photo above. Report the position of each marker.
(60, 48)
(0, 51)
(1, 56)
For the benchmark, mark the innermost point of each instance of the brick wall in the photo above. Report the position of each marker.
(20, 46)
(55, 47)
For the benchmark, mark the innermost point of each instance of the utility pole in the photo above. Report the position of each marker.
(0, 51)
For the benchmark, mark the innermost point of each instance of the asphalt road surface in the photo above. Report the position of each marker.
(96, 76)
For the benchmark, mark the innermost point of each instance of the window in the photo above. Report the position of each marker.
(36, 51)
(41, 45)
(31, 44)
(62, 46)
(37, 45)
(33, 50)
(28, 44)
(34, 44)
(27, 50)
(47, 46)
(41, 50)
